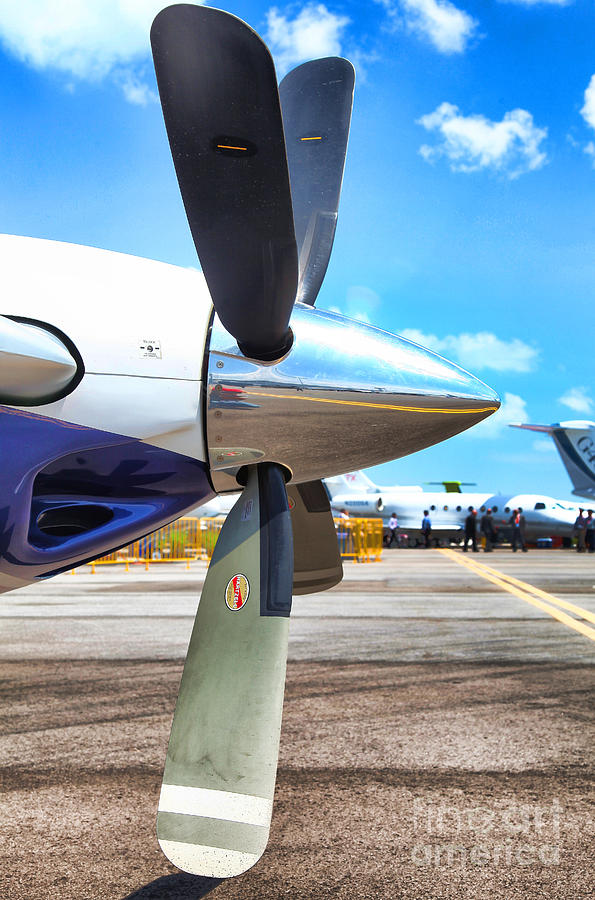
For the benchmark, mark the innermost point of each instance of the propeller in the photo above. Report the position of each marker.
(223, 117)
(220, 103)
(316, 99)
(226, 131)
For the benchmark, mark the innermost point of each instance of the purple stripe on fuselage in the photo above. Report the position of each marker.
(69, 493)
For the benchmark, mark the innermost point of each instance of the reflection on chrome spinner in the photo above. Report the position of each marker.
(358, 395)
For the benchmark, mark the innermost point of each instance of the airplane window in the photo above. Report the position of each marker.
(482, 509)
(494, 509)
(459, 508)
(507, 509)
(540, 505)
(432, 506)
(445, 508)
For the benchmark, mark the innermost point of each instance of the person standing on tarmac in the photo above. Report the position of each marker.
(393, 527)
(471, 530)
(580, 531)
(590, 531)
(517, 523)
(487, 529)
(523, 528)
(426, 527)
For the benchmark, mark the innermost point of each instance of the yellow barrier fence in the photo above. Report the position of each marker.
(360, 539)
(189, 539)
(180, 541)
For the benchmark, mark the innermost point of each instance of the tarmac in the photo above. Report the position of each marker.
(437, 736)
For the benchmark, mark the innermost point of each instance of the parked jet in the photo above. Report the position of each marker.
(222, 503)
(575, 442)
(355, 492)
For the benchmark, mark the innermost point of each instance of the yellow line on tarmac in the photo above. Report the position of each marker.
(563, 604)
(497, 578)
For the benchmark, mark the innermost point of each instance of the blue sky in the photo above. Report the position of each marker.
(467, 219)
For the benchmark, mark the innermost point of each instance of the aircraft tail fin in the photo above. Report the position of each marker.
(453, 487)
(352, 482)
(575, 442)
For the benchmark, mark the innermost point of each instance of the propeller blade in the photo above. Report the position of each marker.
(221, 108)
(316, 99)
(217, 794)
(316, 559)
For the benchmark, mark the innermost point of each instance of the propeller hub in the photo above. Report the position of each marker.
(346, 396)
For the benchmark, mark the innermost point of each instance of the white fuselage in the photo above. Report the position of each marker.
(114, 307)
(544, 516)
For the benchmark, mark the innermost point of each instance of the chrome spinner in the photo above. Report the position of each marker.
(357, 396)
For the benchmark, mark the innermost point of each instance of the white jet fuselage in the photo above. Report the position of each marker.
(544, 516)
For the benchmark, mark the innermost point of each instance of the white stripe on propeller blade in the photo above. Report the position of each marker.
(192, 801)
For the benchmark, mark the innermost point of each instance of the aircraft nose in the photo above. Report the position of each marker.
(346, 396)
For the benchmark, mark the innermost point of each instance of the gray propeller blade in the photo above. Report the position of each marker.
(220, 103)
(217, 794)
(316, 559)
(316, 99)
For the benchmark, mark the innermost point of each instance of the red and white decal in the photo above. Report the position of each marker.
(236, 592)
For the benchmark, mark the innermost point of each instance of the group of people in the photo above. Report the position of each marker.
(584, 529)
(488, 530)
(484, 527)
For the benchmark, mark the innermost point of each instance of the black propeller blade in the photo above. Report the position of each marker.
(221, 108)
(316, 99)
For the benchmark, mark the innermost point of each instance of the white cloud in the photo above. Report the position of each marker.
(482, 350)
(440, 22)
(588, 110)
(578, 399)
(448, 28)
(544, 445)
(313, 33)
(540, 2)
(588, 114)
(513, 409)
(360, 303)
(471, 143)
(136, 91)
(85, 39)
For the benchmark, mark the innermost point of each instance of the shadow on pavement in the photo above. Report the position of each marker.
(176, 887)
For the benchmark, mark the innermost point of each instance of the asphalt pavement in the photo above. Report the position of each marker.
(437, 737)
